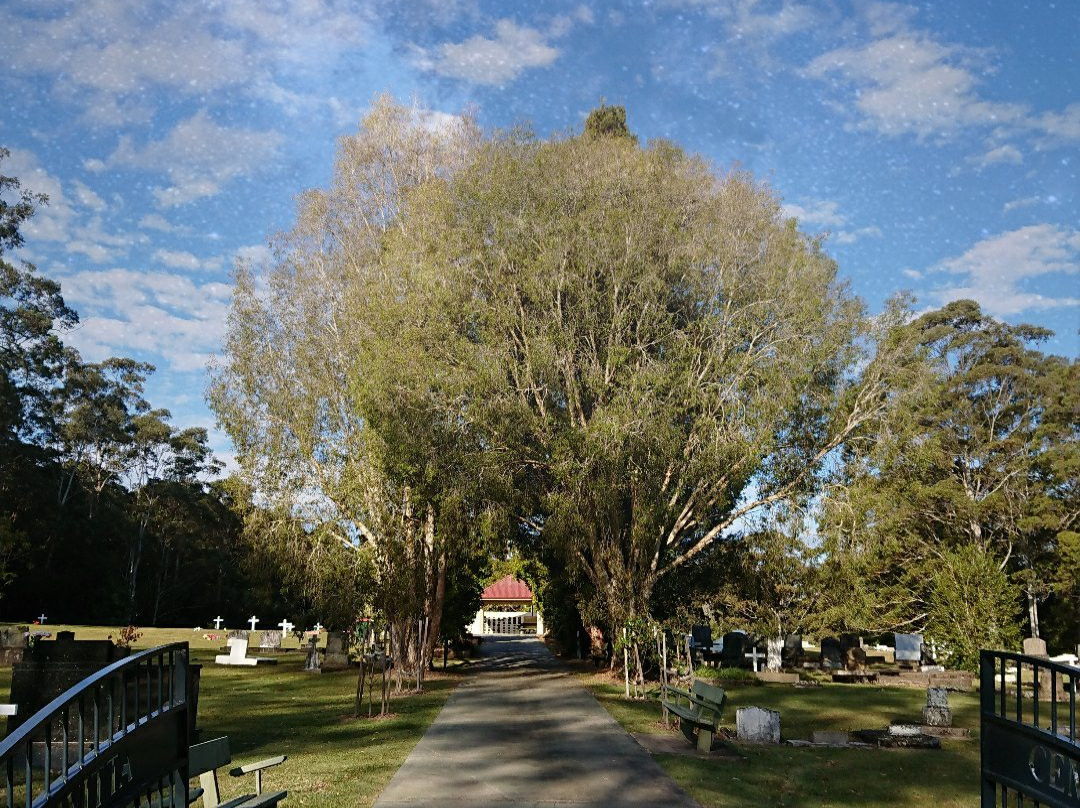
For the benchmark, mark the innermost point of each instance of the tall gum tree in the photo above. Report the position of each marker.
(650, 346)
(294, 390)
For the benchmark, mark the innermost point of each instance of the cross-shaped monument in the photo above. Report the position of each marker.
(253, 620)
(286, 626)
(755, 657)
(318, 627)
(217, 623)
(41, 617)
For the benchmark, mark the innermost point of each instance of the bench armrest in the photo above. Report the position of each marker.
(678, 691)
(248, 768)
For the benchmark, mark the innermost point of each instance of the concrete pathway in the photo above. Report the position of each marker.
(521, 732)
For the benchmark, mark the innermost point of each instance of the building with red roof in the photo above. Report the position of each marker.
(508, 607)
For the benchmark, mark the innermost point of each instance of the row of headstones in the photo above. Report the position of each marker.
(846, 651)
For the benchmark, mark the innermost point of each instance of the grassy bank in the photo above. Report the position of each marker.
(796, 777)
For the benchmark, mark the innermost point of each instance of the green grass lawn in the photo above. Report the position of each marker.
(824, 778)
(334, 759)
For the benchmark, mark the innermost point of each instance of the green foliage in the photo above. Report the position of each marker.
(972, 604)
(605, 121)
(727, 676)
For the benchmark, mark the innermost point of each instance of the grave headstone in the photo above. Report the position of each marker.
(217, 622)
(701, 636)
(849, 641)
(270, 640)
(830, 653)
(14, 643)
(909, 649)
(1034, 646)
(936, 713)
(855, 658)
(237, 634)
(313, 663)
(792, 655)
(755, 658)
(335, 658)
(51, 667)
(757, 725)
(735, 646)
(774, 648)
(237, 655)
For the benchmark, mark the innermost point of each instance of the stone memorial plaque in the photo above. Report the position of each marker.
(792, 655)
(701, 636)
(1034, 646)
(774, 648)
(757, 725)
(270, 640)
(909, 648)
(830, 653)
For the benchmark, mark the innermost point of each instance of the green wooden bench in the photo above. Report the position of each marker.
(204, 759)
(700, 714)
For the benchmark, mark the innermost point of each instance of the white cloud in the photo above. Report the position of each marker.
(177, 259)
(254, 254)
(152, 313)
(198, 156)
(105, 55)
(909, 83)
(88, 197)
(998, 271)
(491, 61)
(825, 213)
(821, 213)
(999, 155)
(1058, 127)
(155, 221)
(1017, 204)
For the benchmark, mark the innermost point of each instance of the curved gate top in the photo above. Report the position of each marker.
(117, 738)
(1030, 746)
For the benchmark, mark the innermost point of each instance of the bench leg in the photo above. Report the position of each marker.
(704, 740)
(687, 730)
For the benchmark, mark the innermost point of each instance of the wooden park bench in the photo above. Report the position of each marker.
(701, 713)
(204, 759)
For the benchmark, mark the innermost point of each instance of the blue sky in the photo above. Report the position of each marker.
(937, 144)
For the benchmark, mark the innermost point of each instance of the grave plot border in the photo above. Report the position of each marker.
(1030, 744)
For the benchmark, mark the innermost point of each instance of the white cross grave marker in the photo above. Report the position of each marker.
(253, 620)
(755, 657)
(286, 626)
(217, 623)
(41, 617)
(318, 627)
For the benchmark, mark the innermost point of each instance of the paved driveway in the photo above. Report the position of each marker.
(521, 732)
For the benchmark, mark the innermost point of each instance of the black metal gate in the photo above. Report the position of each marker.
(118, 738)
(1030, 748)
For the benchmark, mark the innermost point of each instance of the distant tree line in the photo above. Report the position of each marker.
(106, 512)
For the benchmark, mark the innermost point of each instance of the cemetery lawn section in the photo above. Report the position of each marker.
(334, 759)
(795, 777)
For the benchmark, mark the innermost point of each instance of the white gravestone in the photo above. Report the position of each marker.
(253, 620)
(217, 623)
(285, 627)
(757, 725)
(237, 655)
(909, 648)
(755, 657)
(774, 650)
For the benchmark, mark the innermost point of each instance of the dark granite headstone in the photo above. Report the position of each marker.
(701, 637)
(830, 653)
(735, 646)
(792, 654)
(849, 641)
(52, 666)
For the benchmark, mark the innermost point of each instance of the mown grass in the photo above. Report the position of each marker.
(824, 778)
(334, 758)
